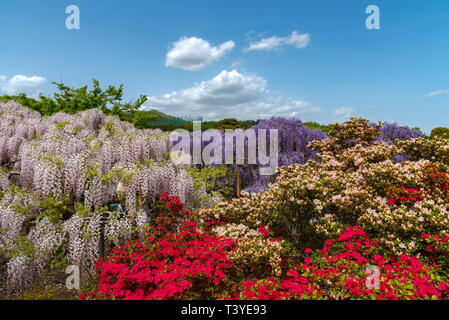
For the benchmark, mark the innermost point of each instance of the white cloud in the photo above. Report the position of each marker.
(436, 93)
(194, 54)
(230, 94)
(276, 104)
(32, 86)
(296, 39)
(344, 113)
(237, 63)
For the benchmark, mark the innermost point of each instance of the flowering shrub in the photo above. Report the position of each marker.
(435, 150)
(170, 213)
(436, 181)
(292, 287)
(403, 195)
(436, 249)
(341, 269)
(178, 266)
(192, 265)
(323, 211)
(185, 262)
(348, 186)
(75, 189)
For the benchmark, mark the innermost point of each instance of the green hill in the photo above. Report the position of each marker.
(164, 119)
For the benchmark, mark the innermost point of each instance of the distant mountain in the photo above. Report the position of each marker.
(163, 118)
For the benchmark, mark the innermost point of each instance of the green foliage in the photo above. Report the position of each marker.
(140, 119)
(53, 208)
(417, 129)
(165, 119)
(204, 125)
(118, 174)
(59, 259)
(44, 105)
(72, 100)
(84, 211)
(315, 126)
(22, 246)
(229, 123)
(19, 193)
(440, 132)
(213, 181)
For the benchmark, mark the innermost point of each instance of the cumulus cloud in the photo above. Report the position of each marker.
(344, 113)
(194, 54)
(296, 40)
(230, 94)
(32, 86)
(436, 93)
(276, 104)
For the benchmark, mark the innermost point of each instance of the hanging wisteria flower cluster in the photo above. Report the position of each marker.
(75, 186)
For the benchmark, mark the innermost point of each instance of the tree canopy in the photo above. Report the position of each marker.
(72, 100)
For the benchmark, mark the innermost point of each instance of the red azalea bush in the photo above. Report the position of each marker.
(432, 248)
(176, 262)
(294, 286)
(343, 269)
(436, 180)
(170, 213)
(401, 195)
(193, 264)
(184, 265)
(435, 249)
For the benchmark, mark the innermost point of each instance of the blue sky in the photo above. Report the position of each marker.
(314, 60)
